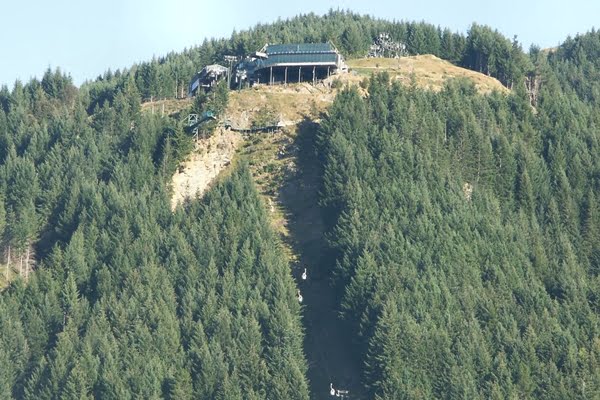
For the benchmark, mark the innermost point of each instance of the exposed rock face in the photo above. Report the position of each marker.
(210, 157)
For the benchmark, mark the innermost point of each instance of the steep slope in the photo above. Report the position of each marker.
(285, 169)
(329, 343)
(209, 158)
(289, 105)
(286, 172)
(491, 295)
(132, 299)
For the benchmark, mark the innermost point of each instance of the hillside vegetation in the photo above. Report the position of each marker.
(465, 229)
(451, 235)
(130, 300)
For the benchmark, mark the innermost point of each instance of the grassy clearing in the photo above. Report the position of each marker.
(427, 71)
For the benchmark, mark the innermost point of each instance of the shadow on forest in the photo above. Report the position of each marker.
(328, 344)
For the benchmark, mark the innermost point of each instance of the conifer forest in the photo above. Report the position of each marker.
(461, 230)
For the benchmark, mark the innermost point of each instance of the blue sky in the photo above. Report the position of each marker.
(85, 38)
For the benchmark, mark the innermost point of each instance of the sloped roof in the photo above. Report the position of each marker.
(293, 59)
(298, 54)
(300, 48)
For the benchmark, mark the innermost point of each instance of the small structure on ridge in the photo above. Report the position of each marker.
(384, 46)
(207, 78)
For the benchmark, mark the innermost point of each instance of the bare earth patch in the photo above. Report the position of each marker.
(290, 104)
(210, 157)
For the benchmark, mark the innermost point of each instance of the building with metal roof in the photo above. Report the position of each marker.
(287, 63)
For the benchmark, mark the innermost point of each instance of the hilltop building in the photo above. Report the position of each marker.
(290, 63)
(207, 78)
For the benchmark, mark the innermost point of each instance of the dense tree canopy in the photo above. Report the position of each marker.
(129, 300)
(465, 230)
(465, 233)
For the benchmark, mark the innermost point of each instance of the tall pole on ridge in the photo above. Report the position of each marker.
(230, 60)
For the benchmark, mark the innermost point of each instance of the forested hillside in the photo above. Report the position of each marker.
(466, 233)
(464, 230)
(128, 300)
